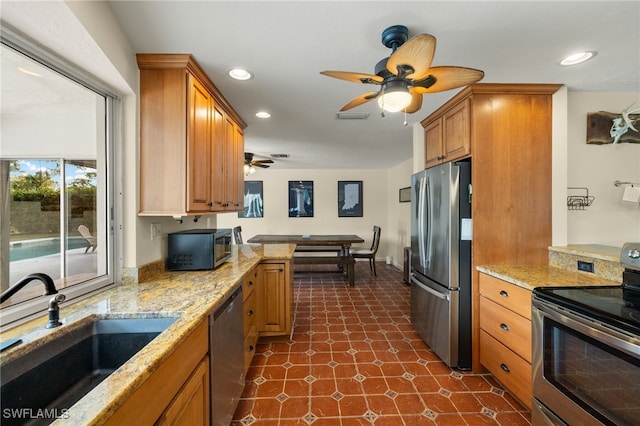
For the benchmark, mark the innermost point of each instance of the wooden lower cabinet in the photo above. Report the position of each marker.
(274, 298)
(177, 392)
(249, 285)
(505, 335)
(191, 404)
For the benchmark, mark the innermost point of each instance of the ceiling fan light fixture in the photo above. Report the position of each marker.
(249, 170)
(395, 96)
(263, 114)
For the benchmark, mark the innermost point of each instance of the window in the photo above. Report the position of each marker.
(56, 180)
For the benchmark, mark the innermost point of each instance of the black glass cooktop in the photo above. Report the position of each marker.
(617, 306)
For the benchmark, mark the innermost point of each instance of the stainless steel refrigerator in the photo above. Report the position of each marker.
(441, 231)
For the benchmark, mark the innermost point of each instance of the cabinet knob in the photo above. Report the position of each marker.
(504, 326)
(249, 283)
(210, 203)
(505, 367)
(503, 293)
(250, 313)
(251, 348)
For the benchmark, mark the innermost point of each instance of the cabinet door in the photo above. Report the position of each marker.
(198, 147)
(456, 131)
(237, 179)
(190, 407)
(433, 144)
(272, 296)
(217, 173)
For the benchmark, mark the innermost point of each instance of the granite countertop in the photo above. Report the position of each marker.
(191, 296)
(531, 276)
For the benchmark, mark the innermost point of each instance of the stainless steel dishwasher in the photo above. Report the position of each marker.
(226, 340)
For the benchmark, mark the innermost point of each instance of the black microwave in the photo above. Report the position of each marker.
(198, 249)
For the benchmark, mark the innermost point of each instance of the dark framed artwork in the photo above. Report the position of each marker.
(349, 198)
(404, 195)
(300, 198)
(253, 201)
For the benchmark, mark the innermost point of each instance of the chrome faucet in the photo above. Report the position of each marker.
(49, 286)
(54, 310)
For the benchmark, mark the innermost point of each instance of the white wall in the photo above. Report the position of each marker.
(399, 214)
(607, 221)
(276, 219)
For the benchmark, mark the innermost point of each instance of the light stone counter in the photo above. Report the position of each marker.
(191, 296)
(532, 276)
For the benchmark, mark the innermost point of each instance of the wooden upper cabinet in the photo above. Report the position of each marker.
(188, 155)
(447, 136)
(433, 152)
(199, 147)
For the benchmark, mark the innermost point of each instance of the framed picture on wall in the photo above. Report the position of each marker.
(404, 195)
(253, 203)
(300, 198)
(349, 198)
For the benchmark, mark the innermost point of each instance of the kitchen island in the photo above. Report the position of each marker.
(190, 296)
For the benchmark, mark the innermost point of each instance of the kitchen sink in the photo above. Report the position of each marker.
(57, 374)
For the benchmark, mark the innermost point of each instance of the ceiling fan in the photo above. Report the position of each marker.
(250, 164)
(407, 73)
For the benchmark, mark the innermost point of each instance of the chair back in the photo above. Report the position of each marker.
(84, 231)
(376, 239)
(237, 234)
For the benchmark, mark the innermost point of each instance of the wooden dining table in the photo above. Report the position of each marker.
(337, 244)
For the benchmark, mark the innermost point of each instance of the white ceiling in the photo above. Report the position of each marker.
(287, 44)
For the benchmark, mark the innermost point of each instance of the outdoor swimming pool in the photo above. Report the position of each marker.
(21, 250)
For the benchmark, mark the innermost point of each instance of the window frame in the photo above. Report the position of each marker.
(14, 315)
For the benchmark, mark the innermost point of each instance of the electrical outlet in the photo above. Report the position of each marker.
(585, 266)
(156, 230)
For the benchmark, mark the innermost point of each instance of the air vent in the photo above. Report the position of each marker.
(352, 115)
(279, 155)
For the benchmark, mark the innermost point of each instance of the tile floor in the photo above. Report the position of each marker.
(354, 359)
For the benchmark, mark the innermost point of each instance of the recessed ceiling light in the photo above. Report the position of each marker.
(263, 114)
(577, 58)
(240, 74)
(26, 71)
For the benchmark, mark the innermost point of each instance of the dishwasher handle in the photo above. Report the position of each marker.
(227, 305)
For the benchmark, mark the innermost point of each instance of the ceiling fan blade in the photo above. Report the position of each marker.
(360, 100)
(417, 52)
(264, 166)
(263, 161)
(449, 78)
(416, 102)
(354, 77)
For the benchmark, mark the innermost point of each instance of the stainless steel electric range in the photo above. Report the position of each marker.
(586, 351)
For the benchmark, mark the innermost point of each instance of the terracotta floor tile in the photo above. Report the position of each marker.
(382, 404)
(325, 406)
(353, 405)
(354, 359)
(295, 407)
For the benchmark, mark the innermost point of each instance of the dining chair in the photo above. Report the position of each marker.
(237, 234)
(369, 253)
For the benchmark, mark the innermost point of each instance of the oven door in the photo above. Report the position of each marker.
(584, 372)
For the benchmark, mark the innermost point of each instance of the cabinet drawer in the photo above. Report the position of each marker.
(249, 284)
(249, 307)
(513, 330)
(508, 295)
(507, 367)
(250, 341)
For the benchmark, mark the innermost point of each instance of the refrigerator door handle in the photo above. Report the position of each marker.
(443, 296)
(421, 239)
(429, 207)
